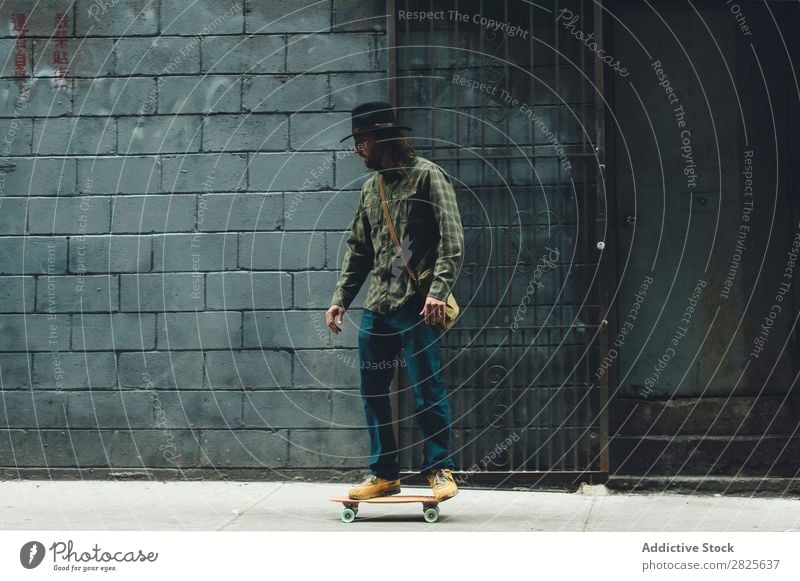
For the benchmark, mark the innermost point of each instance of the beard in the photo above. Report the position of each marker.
(375, 157)
(383, 153)
(372, 164)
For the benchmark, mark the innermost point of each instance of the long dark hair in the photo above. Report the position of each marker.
(391, 150)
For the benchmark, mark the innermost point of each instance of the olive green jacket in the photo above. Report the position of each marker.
(423, 205)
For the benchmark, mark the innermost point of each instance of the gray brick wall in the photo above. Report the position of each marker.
(166, 253)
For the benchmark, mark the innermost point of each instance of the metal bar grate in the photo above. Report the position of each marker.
(523, 152)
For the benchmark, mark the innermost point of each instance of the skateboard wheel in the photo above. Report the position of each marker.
(431, 514)
(348, 515)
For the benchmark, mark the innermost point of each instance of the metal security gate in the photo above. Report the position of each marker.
(507, 98)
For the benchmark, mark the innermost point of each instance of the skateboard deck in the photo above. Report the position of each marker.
(430, 506)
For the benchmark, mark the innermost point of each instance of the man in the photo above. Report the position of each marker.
(423, 207)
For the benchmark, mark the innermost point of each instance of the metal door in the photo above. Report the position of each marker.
(696, 258)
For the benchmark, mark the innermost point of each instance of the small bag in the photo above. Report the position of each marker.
(451, 308)
(423, 282)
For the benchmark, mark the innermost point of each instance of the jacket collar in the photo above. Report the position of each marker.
(398, 173)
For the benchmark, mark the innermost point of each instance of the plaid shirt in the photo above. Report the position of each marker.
(424, 209)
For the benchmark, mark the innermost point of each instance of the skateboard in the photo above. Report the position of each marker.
(430, 506)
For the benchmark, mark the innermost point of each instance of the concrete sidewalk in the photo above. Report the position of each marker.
(296, 506)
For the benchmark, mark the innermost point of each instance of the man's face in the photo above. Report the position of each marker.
(363, 147)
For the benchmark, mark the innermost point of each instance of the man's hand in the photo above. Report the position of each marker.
(334, 316)
(433, 311)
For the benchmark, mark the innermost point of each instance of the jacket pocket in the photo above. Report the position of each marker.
(372, 206)
(406, 203)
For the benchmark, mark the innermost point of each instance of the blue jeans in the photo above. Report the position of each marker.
(379, 340)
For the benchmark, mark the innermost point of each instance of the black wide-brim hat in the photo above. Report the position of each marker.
(373, 116)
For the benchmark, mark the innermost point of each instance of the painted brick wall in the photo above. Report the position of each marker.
(172, 213)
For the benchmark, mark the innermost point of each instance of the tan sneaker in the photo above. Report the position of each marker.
(443, 484)
(373, 486)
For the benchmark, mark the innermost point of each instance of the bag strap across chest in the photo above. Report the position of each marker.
(388, 218)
